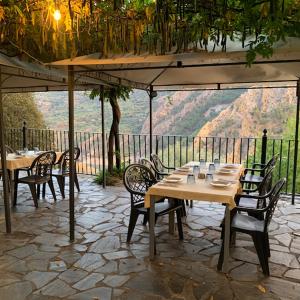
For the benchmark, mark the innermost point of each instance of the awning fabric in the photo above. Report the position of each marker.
(19, 76)
(193, 70)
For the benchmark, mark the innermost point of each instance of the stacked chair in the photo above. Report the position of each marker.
(255, 223)
(254, 211)
(255, 175)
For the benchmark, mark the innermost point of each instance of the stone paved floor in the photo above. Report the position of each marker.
(38, 262)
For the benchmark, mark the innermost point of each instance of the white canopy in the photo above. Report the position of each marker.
(194, 70)
(19, 76)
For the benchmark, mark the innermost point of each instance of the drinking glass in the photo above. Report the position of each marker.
(211, 168)
(217, 163)
(202, 163)
(196, 170)
(25, 150)
(191, 178)
(209, 177)
(36, 150)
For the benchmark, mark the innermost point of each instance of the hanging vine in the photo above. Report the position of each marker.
(137, 26)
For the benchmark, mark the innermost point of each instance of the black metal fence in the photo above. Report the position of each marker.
(173, 150)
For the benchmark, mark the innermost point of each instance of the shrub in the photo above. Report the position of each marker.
(112, 179)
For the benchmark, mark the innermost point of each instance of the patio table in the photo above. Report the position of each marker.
(13, 163)
(199, 191)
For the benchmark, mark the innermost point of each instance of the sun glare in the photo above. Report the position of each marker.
(57, 15)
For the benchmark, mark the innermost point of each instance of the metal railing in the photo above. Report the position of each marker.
(174, 150)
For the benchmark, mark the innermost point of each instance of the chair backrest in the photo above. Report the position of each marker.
(147, 163)
(266, 184)
(64, 160)
(42, 165)
(137, 179)
(271, 163)
(157, 162)
(9, 149)
(274, 197)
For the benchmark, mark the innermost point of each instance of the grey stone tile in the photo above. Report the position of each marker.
(116, 280)
(72, 275)
(90, 262)
(16, 291)
(57, 288)
(40, 279)
(100, 293)
(89, 281)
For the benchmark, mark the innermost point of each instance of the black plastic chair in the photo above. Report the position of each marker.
(38, 173)
(160, 169)
(63, 171)
(256, 227)
(137, 180)
(149, 164)
(262, 189)
(250, 178)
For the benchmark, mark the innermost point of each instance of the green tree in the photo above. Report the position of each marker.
(113, 95)
(19, 108)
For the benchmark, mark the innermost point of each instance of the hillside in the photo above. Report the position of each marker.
(253, 111)
(208, 113)
(181, 113)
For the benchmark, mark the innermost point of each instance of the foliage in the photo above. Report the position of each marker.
(113, 178)
(19, 108)
(116, 92)
(122, 26)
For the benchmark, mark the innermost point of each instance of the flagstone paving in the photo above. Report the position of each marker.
(37, 261)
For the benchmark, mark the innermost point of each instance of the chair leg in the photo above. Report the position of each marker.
(38, 191)
(132, 221)
(267, 245)
(179, 224)
(145, 221)
(44, 190)
(261, 252)
(34, 194)
(60, 181)
(191, 203)
(183, 210)
(16, 187)
(221, 256)
(76, 182)
(51, 186)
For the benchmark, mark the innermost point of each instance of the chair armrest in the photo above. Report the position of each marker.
(252, 170)
(258, 165)
(163, 174)
(251, 210)
(248, 191)
(169, 168)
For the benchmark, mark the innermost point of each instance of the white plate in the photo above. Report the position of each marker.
(226, 171)
(173, 179)
(232, 166)
(183, 169)
(220, 183)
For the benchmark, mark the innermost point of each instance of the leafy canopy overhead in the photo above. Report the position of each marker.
(157, 27)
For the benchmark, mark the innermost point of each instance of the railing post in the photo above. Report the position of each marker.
(264, 142)
(24, 133)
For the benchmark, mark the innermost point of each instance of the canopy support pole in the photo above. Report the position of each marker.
(150, 118)
(103, 136)
(71, 149)
(296, 143)
(3, 163)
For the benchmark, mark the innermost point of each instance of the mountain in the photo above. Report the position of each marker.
(180, 113)
(252, 112)
(208, 113)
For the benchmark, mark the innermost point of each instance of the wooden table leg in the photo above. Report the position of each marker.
(151, 228)
(226, 239)
(171, 222)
